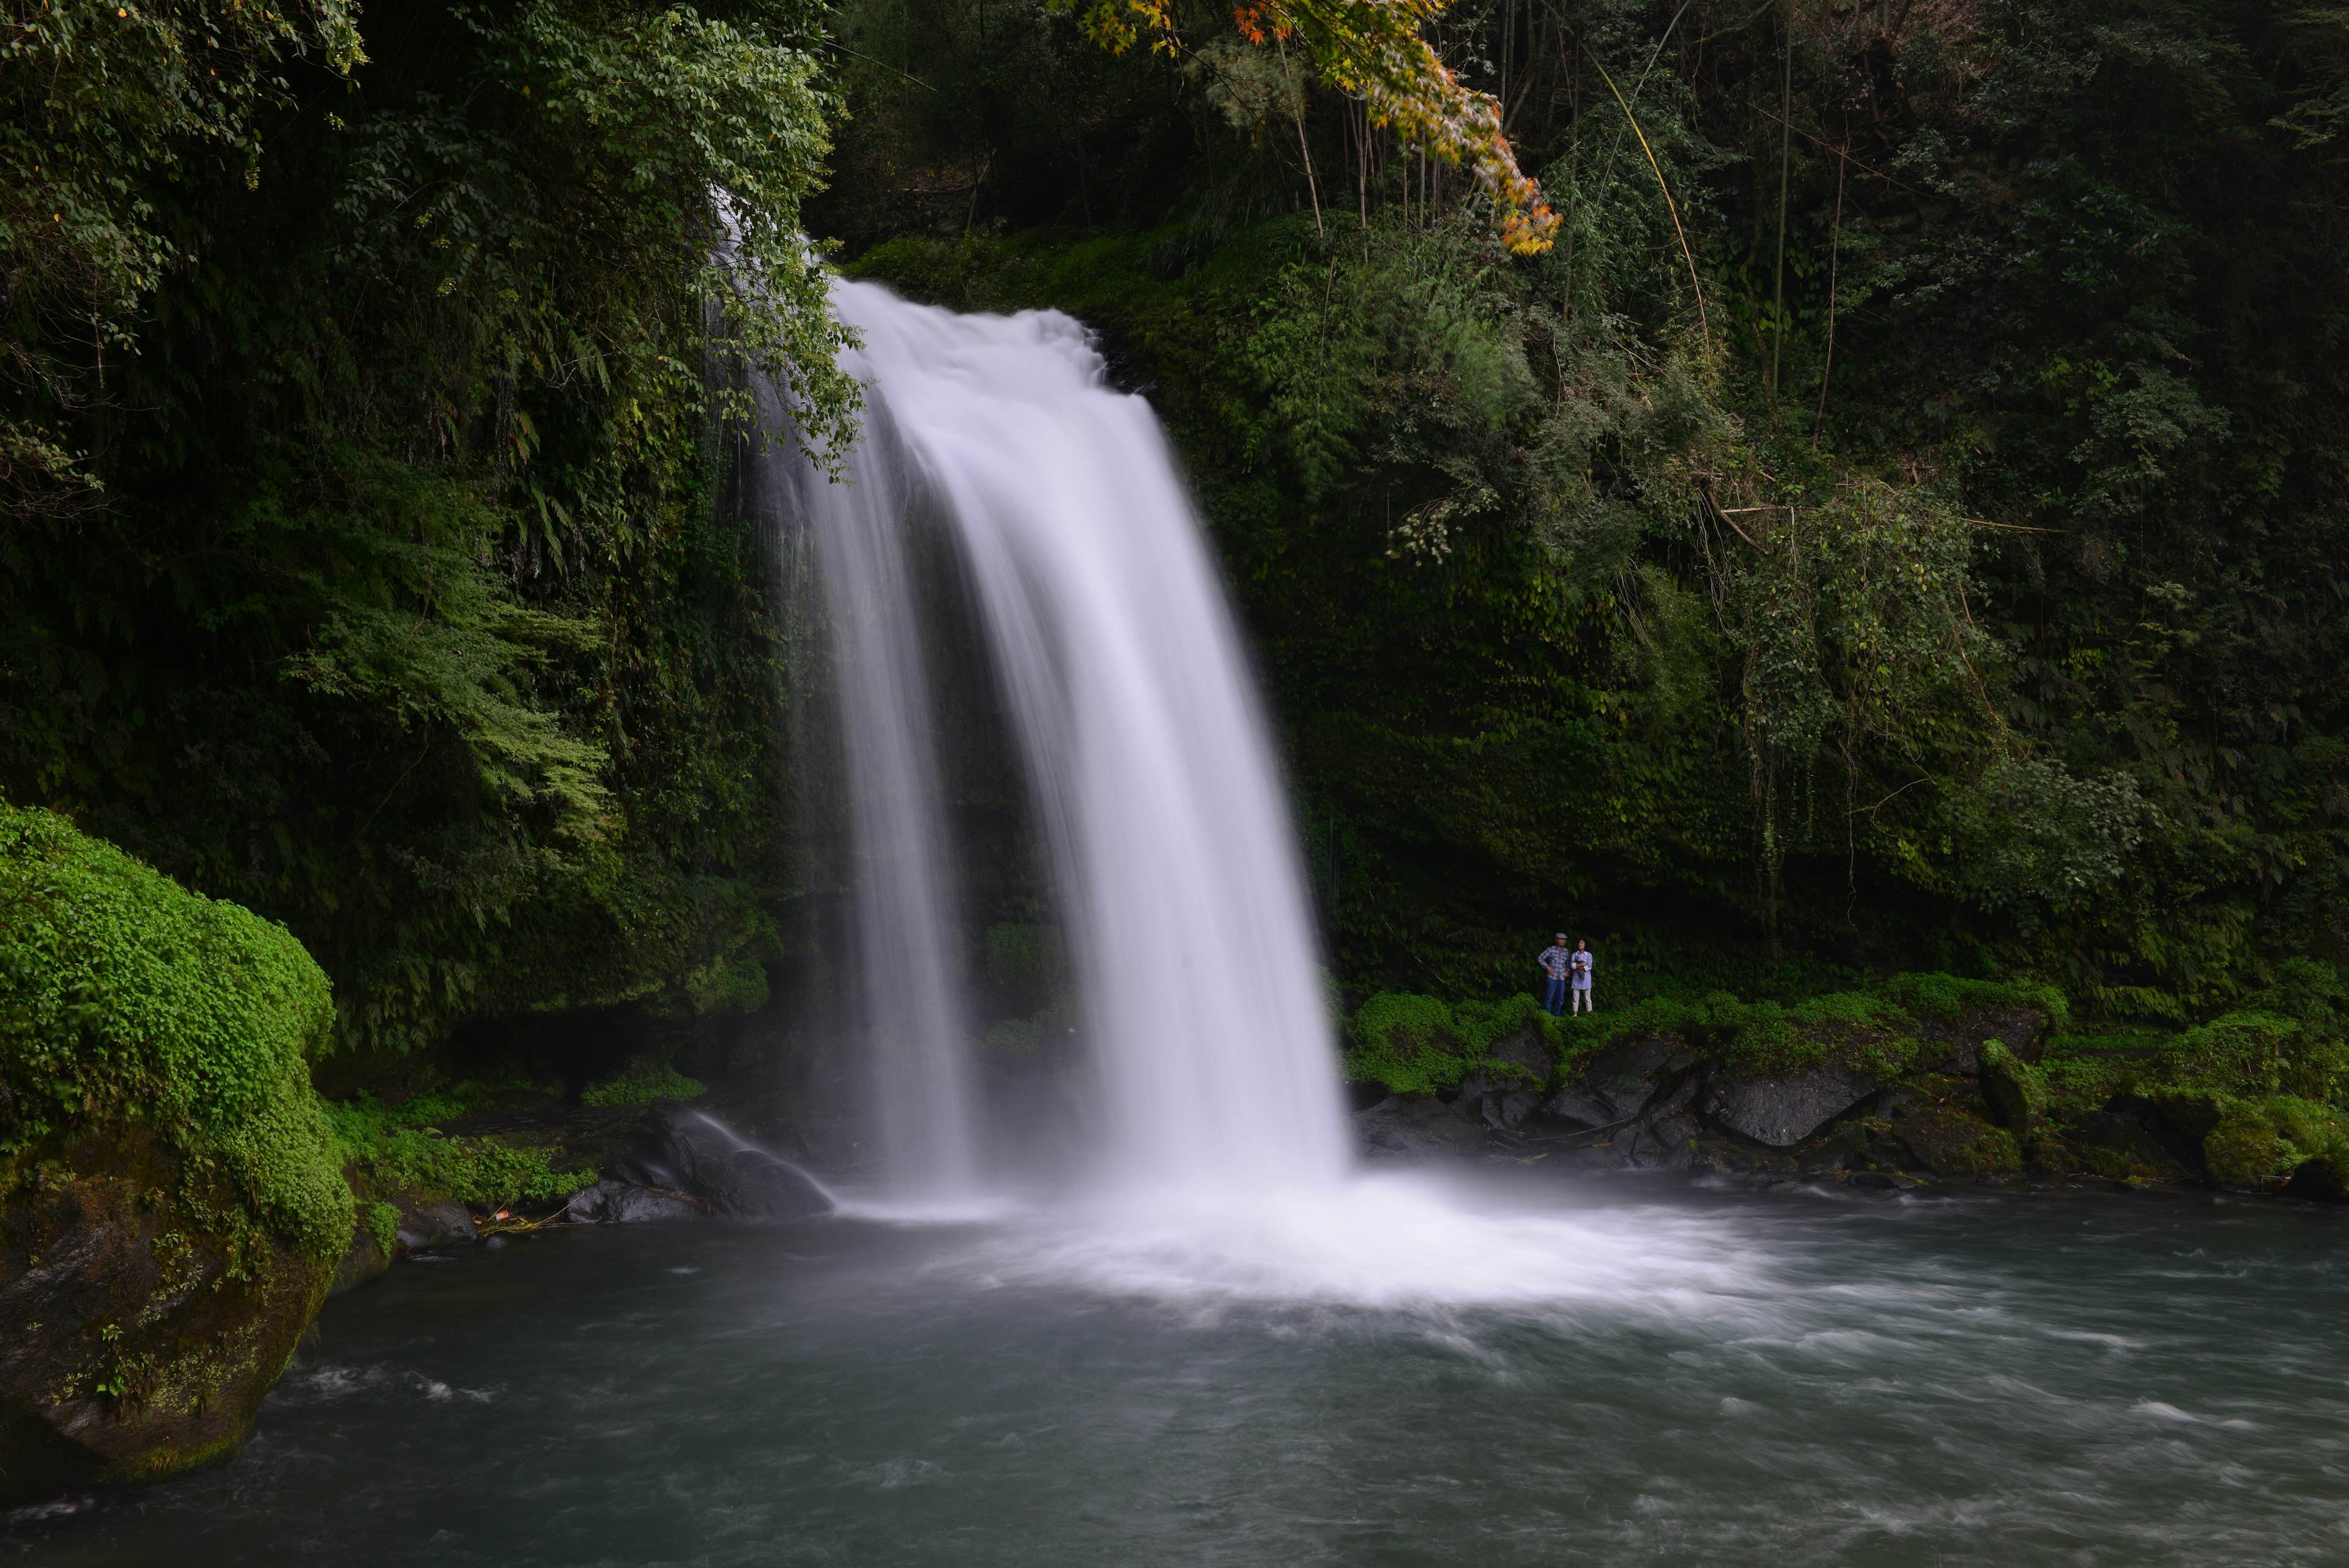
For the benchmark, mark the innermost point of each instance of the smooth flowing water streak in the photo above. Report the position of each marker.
(1134, 705)
(903, 876)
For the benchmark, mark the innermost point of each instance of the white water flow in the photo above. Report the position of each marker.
(902, 868)
(1183, 901)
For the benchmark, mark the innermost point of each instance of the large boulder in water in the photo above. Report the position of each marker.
(686, 1150)
(171, 1202)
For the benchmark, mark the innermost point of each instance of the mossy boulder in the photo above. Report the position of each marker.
(2014, 1091)
(1948, 1142)
(2258, 1142)
(171, 1205)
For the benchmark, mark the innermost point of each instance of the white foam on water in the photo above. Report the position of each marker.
(1386, 1240)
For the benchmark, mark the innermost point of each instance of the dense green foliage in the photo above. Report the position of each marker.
(395, 1149)
(127, 1002)
(640, 1083)
(364, 410)
(1419, 1044)
(1894, 527)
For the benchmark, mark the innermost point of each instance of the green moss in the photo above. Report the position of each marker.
(390, 1153)
(2254, 1053)
(1949, 999)
(2242, 1151)
(644, 1080)
(383, 1226)
(124, 998)
(1406, 1041)
(1416, 1043)
(2015, 1091)
(2275, 1136)
(1015, 1036)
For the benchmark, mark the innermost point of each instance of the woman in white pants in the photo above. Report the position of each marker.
(1580, 965)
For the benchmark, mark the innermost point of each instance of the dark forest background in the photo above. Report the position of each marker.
(1896, 526)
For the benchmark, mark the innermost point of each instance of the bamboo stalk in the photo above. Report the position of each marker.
(1704, 322)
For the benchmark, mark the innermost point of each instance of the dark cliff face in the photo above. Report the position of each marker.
(142, 1320)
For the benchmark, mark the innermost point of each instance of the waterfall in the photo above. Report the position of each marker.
(1134, 710)
(901, 864)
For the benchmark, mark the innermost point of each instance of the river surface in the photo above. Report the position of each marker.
(1621, 1371)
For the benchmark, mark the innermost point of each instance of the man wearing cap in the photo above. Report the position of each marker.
(1555, 962)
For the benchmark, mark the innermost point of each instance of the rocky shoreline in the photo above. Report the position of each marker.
(1966, 1110)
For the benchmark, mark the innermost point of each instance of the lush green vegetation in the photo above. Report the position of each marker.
(129, 1004)
(1421, 1044)
(361, 425)
(640, 1083)
(1892, 527)
(1928, 565)
(396, 1150)
(2257, 1091)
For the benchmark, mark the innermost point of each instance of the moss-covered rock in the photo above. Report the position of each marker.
(1948, 1142)
(2242, 1151)
(2014, 1091)
(171, 1206)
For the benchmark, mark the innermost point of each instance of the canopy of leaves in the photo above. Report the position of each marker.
(1894, 526)
(367, 408)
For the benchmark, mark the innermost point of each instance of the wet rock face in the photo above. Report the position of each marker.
(1505, 1089)
(425, 1225)
(1397, 1128)
(1782, 1112)
(134, 1342)
(685, 1152)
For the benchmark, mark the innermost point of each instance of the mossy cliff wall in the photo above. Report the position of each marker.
(171, 1205)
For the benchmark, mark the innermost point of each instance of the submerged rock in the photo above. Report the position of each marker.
(436, 1225)
(686, 1151)
(1416, 1128)
(614, 1202)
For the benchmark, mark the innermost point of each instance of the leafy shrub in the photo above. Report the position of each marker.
(2252, 1053)
(126, 998)
(383, 1227)
(1407, 1042)
(391, 1153)
(1415, 1044)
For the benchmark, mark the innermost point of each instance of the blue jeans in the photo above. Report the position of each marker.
(1554, 1003)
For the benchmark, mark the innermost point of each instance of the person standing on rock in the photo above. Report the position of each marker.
(1579, 965)
(1557, 963)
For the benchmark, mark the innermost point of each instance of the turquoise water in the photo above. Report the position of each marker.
(1789, 1378)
